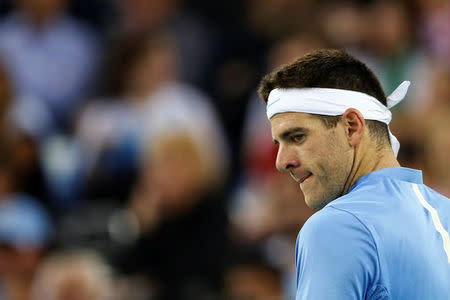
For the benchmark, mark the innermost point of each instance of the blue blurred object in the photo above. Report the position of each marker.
(23, 222)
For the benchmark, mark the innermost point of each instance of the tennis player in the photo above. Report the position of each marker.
(380, 233)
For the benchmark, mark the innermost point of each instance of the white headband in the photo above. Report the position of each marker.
(334, 102)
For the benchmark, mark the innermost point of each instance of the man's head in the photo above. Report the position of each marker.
(319, 151)
(329, 68)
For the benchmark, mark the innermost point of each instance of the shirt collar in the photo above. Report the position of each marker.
(398, 173)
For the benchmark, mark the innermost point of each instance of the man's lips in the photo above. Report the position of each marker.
(300, 179)
(305, 177)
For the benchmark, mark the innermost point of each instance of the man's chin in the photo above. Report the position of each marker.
(316, 203)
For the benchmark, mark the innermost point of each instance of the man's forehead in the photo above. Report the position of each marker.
(288, 119)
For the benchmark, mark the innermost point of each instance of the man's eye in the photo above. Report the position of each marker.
(298, 138)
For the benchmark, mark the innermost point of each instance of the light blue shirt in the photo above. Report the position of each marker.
(387, 238)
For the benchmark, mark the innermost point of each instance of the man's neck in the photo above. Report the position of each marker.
(369, 161)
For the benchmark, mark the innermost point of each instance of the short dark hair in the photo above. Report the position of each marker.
(329, 68)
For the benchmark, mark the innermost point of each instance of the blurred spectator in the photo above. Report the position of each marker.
(167, 132)
(284, 16)
(395, 56)
(18, 143)
(346, 23)
(394, 32)
(74, 275)
(193, 33)
(177, 171)
(424, 136)
(384, 35)
(149, 102)
(25, 232)
(103, 152)
(20, 114)
(435, 28)
(50, 56)
(181, 220)
(436, 132)
(140, 16)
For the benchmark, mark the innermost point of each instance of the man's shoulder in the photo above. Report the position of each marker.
(364, 207)
(324, 223)
(334, 247)
(366, 203)
(345, 209)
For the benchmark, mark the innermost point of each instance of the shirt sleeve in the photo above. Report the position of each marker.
(336, 257)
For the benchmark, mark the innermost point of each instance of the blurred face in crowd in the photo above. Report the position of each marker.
(40, 11)
(177, 170)
(174, 177)
(293, 47)
(154, 67)
(283, 14)
(71, 277)
(142, 15)
(76, 287)
(346, 23)
(318, 158)
(391, 29)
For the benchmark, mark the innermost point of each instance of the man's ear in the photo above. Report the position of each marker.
(354, 125)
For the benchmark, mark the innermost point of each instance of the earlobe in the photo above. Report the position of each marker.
(355, 126)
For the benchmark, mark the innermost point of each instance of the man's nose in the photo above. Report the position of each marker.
(286, 160)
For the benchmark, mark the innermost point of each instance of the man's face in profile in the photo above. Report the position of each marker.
(318, 158)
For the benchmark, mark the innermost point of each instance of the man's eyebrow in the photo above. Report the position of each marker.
(288, 132)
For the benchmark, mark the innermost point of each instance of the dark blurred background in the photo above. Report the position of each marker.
(136, 160)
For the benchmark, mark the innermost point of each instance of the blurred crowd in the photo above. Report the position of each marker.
(136, 160)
